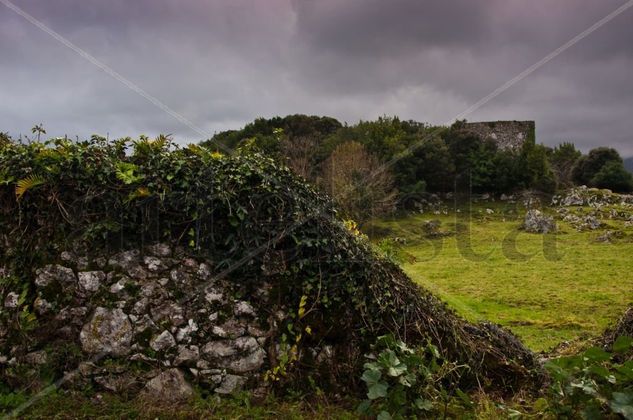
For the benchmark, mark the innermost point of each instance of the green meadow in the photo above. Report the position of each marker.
(546, 288)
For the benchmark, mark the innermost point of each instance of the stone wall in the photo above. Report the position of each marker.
(157, 309)
(509, 135)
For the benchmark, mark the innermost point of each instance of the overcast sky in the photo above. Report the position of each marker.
(223, 63)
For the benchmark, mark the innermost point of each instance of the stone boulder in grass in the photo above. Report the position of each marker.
(537, 222)
(157, 269)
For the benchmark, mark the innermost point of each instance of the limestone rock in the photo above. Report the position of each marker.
(125, 259)
(184, 334)
(169, 385)
(212, 295)
(90, 281)
(168, 311)
(536, 222)
(54, 272)
(108, 332)
(246, 344)
(187, 355)
(41, 306)
(11, 300)
(36, 358)
(219, 349)
(250, 362)
(159, 250)
(204, 271)
(232, 328)
(180, 276)
(230, 384)
(243, 309)
(154, 264)
(163, 341)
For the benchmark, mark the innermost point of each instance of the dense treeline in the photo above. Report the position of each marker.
(420, 158)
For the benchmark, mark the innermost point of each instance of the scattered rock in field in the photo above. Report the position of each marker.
(591, 197)
(432, 229)
(609, 236)
(537, 222)
(591, 222)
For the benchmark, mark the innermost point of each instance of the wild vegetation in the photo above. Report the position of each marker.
(400, 351)
(256, 221)
(422, 159)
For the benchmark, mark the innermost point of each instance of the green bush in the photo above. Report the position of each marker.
(593, 383)
(403, 382)
(588, 166)
(613, 176)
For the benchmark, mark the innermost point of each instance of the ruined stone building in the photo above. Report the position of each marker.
(509, 135)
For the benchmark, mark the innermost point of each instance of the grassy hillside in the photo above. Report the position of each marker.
(541, 298)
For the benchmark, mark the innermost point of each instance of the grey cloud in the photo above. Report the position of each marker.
(221, 64)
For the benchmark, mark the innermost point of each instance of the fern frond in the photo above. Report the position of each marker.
(125, 173)
(140, 192)
(26, 184)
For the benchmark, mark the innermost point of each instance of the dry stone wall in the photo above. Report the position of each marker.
(156, 309)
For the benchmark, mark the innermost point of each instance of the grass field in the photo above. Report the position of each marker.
(545, 288)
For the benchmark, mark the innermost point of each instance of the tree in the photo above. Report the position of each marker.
(473, 159)
(358, 182)
(613, 176)
(588, 166)
(38, 129)
(299, 153)
(4, 138)
(562, 160)
(536, 169)
(429, 163)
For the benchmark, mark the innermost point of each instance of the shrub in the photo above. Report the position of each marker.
(613, 176)
(588, 166)
(593, 383)
(403, 382)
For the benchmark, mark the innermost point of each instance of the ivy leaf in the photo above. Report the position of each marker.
(364, 407)
(596, 354)
(371, 377)
(384, 416)
(397, 370)
(623, 404)
(623, 344)
(422, 404)
(378, 390)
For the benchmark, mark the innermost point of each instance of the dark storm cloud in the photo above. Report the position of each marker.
(223, 63)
